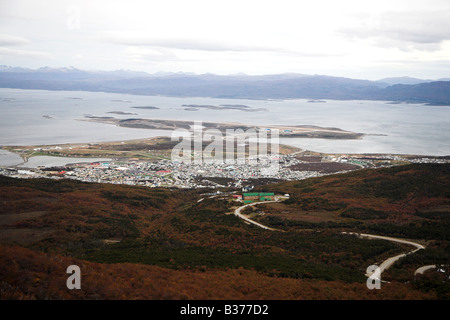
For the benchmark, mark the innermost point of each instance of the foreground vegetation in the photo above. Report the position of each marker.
(163, 243)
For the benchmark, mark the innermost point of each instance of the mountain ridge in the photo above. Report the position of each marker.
(275, 86)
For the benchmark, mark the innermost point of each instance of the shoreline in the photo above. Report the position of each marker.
(20, 150)
(237, 98)
(150, 162)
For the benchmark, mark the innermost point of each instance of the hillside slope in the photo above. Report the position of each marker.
(157, 240)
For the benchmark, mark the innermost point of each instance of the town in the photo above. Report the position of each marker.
(176, 174)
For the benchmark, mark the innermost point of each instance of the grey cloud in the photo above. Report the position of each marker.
(186, 44)
(23, 53)
(418, 27)
(9, 47)
(207, 46)
(420, 30)
(7, 40)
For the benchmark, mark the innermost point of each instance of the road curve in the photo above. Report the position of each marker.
(421, 270)
(238, 213)
(390, 261)
(384, 265)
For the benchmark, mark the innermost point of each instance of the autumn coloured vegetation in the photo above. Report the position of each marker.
(148, 243)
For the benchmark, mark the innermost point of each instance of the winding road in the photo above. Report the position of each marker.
(384, 265)
(390, 261)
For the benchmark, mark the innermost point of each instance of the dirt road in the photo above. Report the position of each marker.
(390, 261)
(384, 265)
(238, 213)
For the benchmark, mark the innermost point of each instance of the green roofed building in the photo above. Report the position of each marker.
(258, 196)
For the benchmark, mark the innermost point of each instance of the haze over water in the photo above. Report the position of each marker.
(32, 117)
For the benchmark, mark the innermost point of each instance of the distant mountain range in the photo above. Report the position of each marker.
(280, 86)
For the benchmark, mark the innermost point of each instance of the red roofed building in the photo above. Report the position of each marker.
(163, 171)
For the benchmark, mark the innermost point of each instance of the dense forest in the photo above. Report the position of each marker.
(149, 243)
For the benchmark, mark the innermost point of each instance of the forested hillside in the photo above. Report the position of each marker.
(137, 242)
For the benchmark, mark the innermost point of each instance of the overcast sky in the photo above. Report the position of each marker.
(350, 38)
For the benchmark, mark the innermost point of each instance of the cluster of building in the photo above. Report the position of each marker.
(430, 160)
(370, 161)
(167, 173)
(257, 197)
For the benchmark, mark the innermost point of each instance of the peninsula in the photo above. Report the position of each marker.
(285, 131)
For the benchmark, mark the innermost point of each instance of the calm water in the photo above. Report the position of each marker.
(409, 128)
(35, 162)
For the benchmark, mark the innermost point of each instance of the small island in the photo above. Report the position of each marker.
(145, 107)
(240, 107)
(122, 113)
